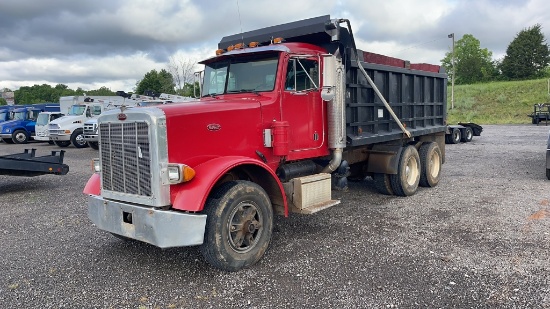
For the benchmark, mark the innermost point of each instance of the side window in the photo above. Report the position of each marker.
(302, 74)
(96, 110)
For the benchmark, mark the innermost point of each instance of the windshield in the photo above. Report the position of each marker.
(250, 74)
(150, 103)
(3, 116)
(77, 110)
(42, 119)
(19, 115)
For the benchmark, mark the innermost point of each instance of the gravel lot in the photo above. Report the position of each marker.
(478, 240)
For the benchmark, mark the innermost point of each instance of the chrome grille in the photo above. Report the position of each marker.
(125, 157)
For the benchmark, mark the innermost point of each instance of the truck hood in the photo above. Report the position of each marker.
(12, 123)
(65, 120)
(198, 131)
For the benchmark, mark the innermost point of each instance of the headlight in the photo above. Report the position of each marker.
(178, 173)
(96, 167)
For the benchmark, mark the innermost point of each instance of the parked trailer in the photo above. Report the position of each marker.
(463, 132)
(28, 164)
(281, 118)
(541, 113)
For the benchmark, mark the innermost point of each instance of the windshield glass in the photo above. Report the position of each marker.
(3, 116)
(77, 110)
(150, 103)
(250, 74)
(19, 115)
(42, 119)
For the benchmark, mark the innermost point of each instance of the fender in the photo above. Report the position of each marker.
(93, 186)
(192, 196)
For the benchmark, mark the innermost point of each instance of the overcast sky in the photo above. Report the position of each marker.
(113, 43)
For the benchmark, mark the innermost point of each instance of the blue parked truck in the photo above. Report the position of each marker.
(21, 128)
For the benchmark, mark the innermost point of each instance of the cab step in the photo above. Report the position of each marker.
(309, 194)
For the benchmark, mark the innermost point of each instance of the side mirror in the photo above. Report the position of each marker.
(329, 77)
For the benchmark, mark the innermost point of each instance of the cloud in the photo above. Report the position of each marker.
(107, 42)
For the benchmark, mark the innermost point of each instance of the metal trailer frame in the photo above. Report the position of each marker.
(28, 164)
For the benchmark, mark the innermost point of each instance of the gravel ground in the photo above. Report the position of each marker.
(478, 240)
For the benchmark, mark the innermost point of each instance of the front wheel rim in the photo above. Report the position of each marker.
(80, 140)
(20, 137)
(244, 227)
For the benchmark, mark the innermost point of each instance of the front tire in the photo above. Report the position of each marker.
(20, 137)
(405, 182)
(430, 164)
(239, 225)
(77, 139)
(548, 173)
(94, 145)
(62, 143)
(7, 140)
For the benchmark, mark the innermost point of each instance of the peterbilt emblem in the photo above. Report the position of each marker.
(122, 116)
(214, 127)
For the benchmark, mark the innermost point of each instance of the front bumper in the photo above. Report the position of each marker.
(5, 135)
(55, 137)
(91, 138)
(41, 138)
(162, 228)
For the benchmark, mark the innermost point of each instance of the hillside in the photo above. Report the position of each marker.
(496, 102)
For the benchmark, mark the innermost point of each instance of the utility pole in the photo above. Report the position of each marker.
(452, 35)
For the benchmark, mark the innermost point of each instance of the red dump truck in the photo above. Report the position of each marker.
(286, 113)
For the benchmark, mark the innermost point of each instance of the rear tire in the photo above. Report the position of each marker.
(20, 137)
(382, 183)
(94, 145)
(405, 182)
(7, 140)
(430, 164)
(454, 137)
(467, 135)
(548, 173)
(239, 225)
(77, 139)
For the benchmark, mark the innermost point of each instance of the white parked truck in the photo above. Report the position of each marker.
(68, 129)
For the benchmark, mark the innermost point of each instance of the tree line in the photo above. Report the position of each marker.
(177, 79)
(527, 57)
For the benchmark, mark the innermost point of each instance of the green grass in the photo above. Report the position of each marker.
(496, 102)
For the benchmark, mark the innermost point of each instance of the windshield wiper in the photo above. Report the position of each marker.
(245, 90)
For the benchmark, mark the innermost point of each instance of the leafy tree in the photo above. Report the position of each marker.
(472, 63)
(161, 82)
(101, 91)
(527, 56)
(3, 101)
(190, 90)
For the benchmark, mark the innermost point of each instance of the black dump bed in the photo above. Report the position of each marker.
(417, 93)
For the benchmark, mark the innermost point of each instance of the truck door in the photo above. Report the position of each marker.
(302, 105)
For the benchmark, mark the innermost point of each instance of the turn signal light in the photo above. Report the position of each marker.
(178, 173)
